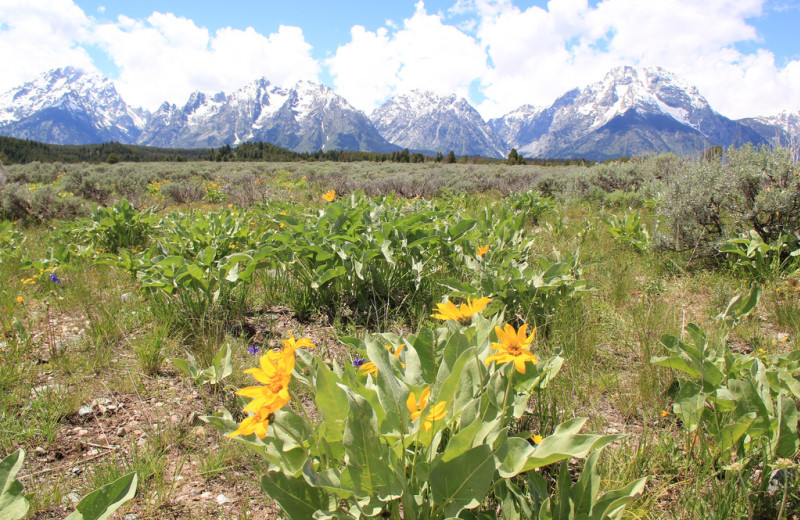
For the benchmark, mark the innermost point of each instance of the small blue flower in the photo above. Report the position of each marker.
(54, 278)
(253, 349)
(358, 361)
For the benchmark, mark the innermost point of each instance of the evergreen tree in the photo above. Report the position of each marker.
(451, 157)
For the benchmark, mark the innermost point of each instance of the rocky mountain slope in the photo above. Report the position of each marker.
(632, 110)
(427, 122)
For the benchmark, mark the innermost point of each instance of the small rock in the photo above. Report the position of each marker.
(91, 452)
(120, 432)
(73, 497)
(174, 419)
(141, 442)
(206, 495)
(222, 499)
(192, 419)
(130, 516)
(76, 471)
(102, 409)
(127, 297)
(82, 431)
(102, 439)
(85, 410)
(40, 451)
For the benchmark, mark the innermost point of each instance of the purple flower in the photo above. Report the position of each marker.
(358, 361)
(253, 349)
(54, 278)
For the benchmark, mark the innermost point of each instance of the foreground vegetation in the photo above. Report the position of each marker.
(623, 343)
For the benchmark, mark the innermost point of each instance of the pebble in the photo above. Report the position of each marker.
(206, 495)
(40, 451)
(174, 419)
(222, 499)
(72, 497)
(130, 516)
(193, 417)
(85, 410)
(120, 432)
(76, 470)
(81, 432)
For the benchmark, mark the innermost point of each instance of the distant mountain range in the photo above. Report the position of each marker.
(631, 111)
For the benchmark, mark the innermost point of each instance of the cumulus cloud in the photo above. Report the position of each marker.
(512, 55)
(531, 56)
(167, 57)
(425, 53)
(38, 35)
(539, 53)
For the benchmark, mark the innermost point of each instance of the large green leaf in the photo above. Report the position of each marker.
(559, 447)
(13, 504)
(331, 400)
(462, 483)
(9, 467)
(369, 472)
(101, 503)
(298, 500)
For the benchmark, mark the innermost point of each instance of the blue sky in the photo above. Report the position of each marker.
(743, 55)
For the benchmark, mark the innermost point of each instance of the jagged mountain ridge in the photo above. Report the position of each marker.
(782, 129)
(632, 110)
(305, 118)
(428, 122)
(69, 106)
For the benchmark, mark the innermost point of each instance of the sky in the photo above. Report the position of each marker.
(743, 55)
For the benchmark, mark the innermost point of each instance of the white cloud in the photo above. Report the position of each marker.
(517, 56)
(540, 53)
(424, 54)
(38, 35)
(168, 57)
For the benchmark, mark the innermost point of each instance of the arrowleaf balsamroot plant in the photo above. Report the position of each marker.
(430, 435)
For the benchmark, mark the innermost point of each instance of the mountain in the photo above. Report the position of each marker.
(631, 111)
(305, 118)
(779, 130)
(427, 122)
(69, 106)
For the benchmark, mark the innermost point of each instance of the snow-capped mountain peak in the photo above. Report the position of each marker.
(630, 111)
(71, 93)
(423, 120)
(647, 90)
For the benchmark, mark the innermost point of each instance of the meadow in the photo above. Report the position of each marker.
(418, 341)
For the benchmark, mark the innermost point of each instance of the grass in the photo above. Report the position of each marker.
(98, 335)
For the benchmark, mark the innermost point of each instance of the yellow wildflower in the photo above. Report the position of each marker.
(370, 368)
(664, 413)
(329, 196)
(257, 423)
(482, 250)
(513, 346)
(536, 438)
(20, 299)
(462, 313)
(437, 413)
(415, 407)
(274, 374)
